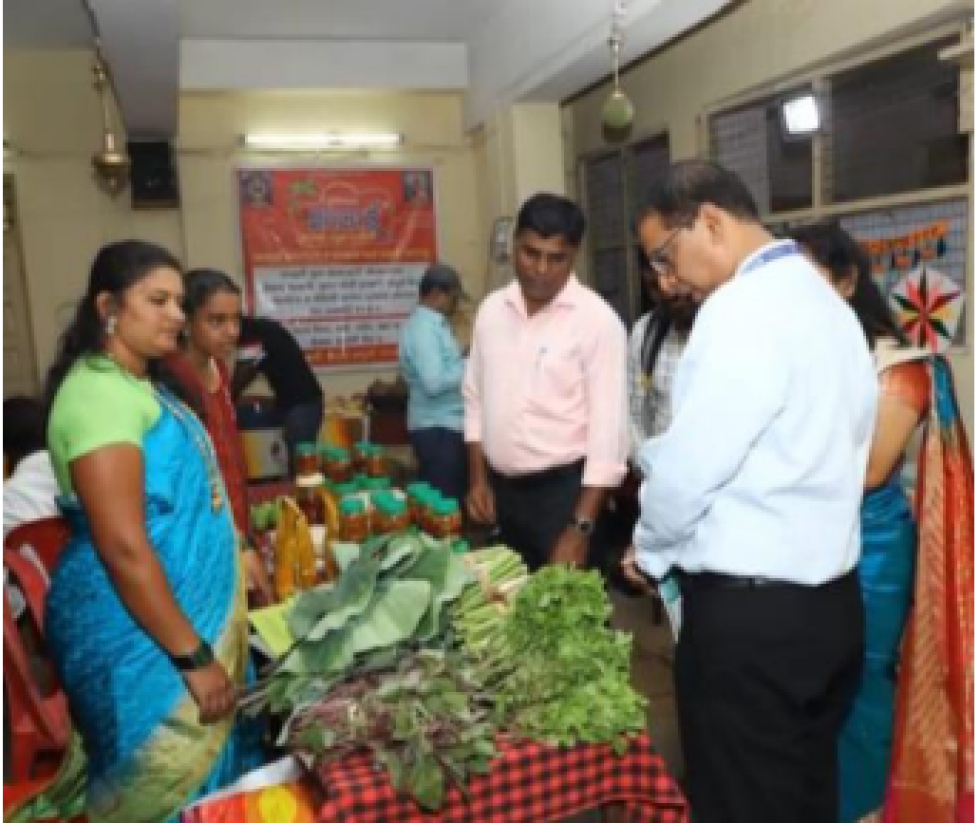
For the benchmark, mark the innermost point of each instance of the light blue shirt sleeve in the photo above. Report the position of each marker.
(730, 385)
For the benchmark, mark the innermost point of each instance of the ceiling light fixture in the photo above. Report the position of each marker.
(111, 165)
(322, 141)
(617, 111)
(800, 115)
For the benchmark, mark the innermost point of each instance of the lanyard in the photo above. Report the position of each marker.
(785, 248)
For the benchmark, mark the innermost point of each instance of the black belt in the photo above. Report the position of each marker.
(542, 478)
(704, 581)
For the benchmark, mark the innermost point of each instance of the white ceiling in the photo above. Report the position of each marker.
(495, 51)
(443, 21)
(64, 23)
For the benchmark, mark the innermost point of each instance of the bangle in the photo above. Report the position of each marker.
(199, 658)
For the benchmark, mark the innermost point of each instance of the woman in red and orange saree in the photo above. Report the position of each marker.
(907, 747)
(931, 776)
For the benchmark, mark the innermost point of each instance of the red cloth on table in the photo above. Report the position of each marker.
(529, 783)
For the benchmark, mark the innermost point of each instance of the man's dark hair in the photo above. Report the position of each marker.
(548, 215)
(440, 277)
(23, 428)
(687, 185)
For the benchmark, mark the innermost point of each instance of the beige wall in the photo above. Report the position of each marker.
(53, 120)
(759, 43)
(52, 117)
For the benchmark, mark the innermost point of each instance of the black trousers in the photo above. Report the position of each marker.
(764, 678)
(441, 457)
(534, 509)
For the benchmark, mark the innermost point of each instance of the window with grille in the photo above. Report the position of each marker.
(777, 169)
(615, 183)
(894, 126)
(890, 126)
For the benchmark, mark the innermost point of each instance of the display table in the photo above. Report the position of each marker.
(528, 783)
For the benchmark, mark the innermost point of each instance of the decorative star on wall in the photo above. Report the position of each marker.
(928, 306)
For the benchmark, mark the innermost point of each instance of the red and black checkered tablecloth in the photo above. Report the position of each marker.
(528, 783)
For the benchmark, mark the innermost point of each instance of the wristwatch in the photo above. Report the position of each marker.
(583, 525)
(199, 658)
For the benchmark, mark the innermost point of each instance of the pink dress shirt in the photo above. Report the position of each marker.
(550, 389)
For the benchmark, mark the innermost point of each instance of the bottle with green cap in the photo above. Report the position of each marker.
(374, 462)
(306, 459)
(355, 525)
(346, 489)
(447, 520)
(361, 450)
(376, 484)
(395, 517)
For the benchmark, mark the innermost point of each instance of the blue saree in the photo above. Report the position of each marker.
(886, 571)
(147, 755)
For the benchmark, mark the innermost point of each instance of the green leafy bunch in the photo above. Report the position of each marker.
(392, 594)
(569, 682)
(425, 722)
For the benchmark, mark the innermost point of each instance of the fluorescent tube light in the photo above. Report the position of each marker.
(313, 141)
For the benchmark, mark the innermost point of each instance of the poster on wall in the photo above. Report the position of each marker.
(918, 258)
(336, 255)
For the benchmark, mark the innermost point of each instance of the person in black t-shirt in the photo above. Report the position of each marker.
(265, 347)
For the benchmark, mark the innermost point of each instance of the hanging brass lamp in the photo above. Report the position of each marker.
(110, 163)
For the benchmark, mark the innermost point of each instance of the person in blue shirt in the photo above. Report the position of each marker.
(431, 362)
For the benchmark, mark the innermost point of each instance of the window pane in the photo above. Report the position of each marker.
(894, 126)
(790, 162)
(752, 143)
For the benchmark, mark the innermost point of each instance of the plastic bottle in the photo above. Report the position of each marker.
(361, 450)
(447, 520)
(307, 460)
(354, 522)
(374, 462)
(394, 516)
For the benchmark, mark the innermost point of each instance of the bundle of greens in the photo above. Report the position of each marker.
(392, 594)
(560, 674)
(424, 722)
(480, 612)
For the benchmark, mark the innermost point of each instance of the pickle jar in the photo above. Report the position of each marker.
(374, 462)
(447, 520)
(355, 526)
(307, 460)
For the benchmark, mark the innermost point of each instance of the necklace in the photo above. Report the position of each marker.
(204, 445)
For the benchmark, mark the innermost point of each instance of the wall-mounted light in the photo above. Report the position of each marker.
(322, 141)
(800, 115)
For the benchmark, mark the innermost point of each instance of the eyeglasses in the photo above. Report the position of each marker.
(658, 260)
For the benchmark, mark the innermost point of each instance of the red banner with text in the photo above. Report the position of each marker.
(336, 255)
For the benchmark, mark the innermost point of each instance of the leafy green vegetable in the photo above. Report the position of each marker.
(425, 722)
(559, 673)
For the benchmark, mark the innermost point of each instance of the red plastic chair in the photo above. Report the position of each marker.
(46, 537)
(40, 728)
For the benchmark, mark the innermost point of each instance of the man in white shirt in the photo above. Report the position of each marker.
(30, 490)
(752, 497)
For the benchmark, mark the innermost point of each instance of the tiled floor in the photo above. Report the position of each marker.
(653, 649)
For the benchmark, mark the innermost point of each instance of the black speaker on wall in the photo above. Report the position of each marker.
(153, 175)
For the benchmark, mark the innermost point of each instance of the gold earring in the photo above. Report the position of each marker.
(110, 325)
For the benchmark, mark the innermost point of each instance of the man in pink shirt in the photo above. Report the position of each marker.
(546, 421)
